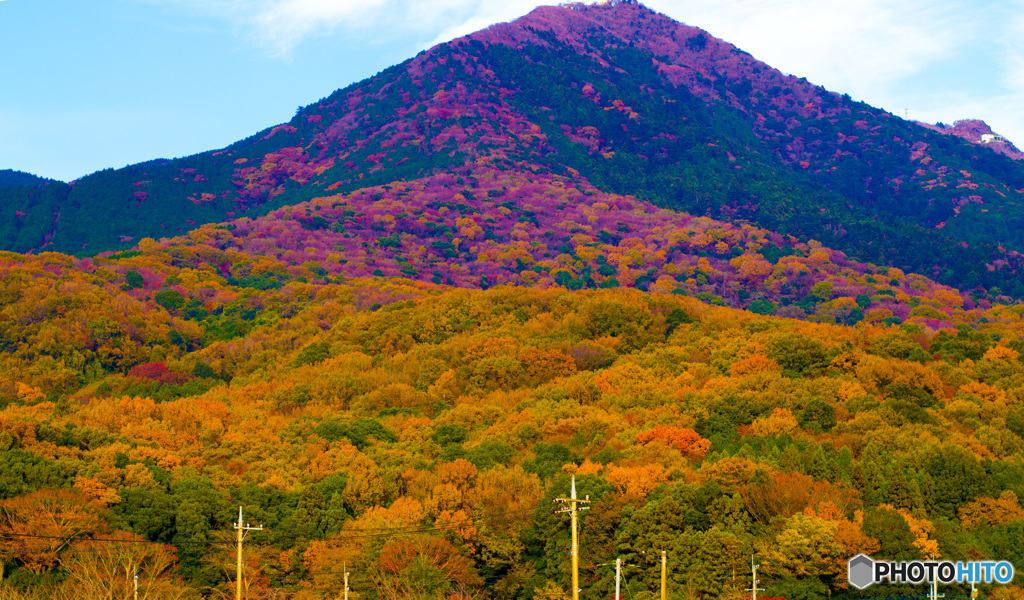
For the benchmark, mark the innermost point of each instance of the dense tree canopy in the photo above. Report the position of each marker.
(416, 434)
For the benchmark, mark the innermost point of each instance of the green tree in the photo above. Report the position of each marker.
(148, 512)
(549, 459)
(957, 478)
(818, 415)
(22, 472)
(134, 280)
(762, 307)
(169, 299)
(797, 355)
(892, 531)
(313, 353)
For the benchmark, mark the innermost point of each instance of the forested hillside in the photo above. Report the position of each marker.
(750, 316)
(416, 435)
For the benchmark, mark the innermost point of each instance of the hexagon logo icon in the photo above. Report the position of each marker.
(861, 571)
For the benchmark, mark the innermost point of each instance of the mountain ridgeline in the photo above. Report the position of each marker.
(12, 178)
(617, 95)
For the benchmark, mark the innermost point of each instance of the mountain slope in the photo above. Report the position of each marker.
(636, 103)
(484, 228)
(366, 419)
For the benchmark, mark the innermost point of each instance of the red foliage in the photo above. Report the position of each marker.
(157, 372)
(687, 441)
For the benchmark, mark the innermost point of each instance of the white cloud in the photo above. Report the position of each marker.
(1014, 49)
(283, 24)
(860, 46)
(1010, 106)
(279, 26)
(893, 55)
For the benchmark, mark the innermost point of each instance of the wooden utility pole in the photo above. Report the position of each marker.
(242, 528)
(664, 576)
(573, 508)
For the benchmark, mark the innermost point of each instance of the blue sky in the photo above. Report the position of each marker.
(87, 85)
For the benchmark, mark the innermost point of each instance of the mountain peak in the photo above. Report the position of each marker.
(684, 55)
(978, 132)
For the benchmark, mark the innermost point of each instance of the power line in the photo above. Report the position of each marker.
(71, 538)
(342, 535)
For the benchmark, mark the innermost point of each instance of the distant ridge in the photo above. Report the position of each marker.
(10, 178)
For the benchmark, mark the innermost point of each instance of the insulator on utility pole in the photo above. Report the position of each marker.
(573, 508)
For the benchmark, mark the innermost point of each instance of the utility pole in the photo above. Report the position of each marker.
(136, 582)
(934, 592)
(754, 589)
(573, 508)
(664, 576)
(345, 568)
(242, 528)
(618, 576)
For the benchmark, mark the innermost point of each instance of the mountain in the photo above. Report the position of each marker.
(373, 329)
(615, 95)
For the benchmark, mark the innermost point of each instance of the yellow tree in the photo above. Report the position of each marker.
(994, 511)
(505, 498)
(806, 547)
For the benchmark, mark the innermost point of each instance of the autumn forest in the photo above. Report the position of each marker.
(395, 330)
